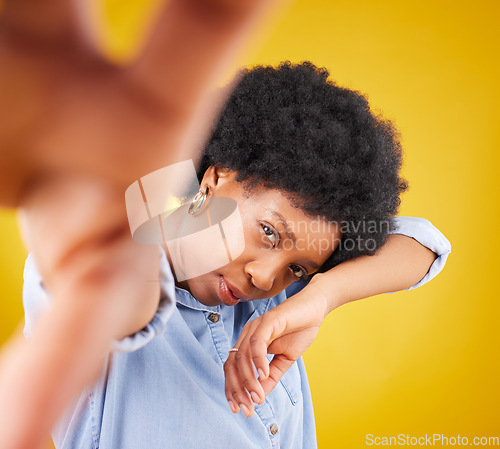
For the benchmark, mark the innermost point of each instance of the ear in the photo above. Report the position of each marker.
(215, 176)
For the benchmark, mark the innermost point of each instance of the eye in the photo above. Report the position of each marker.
(298, 272)
(271, 234)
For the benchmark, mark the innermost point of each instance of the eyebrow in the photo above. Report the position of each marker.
(289, 233)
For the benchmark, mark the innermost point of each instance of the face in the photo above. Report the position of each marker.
(282, 245)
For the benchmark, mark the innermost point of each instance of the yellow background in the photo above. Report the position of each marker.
(419, 362)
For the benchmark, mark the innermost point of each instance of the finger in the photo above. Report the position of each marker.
(191, 44)
(236, 394)
(190, 39)
(229, 373)
(246, 372)
(41, 19)
(240, 363)
(279, 365)
(270, 325)
(235, 408)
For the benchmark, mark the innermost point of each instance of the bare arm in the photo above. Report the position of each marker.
(399, 264)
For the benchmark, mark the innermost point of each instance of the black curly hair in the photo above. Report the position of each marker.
(290, 128)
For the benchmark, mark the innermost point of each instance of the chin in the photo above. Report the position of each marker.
(204, 289)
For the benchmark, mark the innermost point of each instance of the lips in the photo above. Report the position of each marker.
(228, 294)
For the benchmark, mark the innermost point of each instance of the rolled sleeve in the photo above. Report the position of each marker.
(424, 232)
(36, 300)
(158, 324)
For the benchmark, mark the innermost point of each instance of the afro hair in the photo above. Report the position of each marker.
(291, 128)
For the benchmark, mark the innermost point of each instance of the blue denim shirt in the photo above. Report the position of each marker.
(164, 387)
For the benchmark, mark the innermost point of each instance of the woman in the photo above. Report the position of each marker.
(316, 179)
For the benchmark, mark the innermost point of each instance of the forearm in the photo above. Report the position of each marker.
(101, 286)
(41, 375)
(289, 329)
(399, 264)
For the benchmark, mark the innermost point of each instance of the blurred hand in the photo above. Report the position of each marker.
(64, 108)
(285, 331)
(75, 131)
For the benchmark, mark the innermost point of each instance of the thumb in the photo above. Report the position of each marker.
(279, 365)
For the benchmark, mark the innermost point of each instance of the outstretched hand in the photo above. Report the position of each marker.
(285, 331)
(72, 122)
(65, 108)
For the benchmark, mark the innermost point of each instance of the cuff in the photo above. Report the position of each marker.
(424, 232)
(158, 324)
(36, 301)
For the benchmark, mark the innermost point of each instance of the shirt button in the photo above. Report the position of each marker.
(273, 429)
(213, 317)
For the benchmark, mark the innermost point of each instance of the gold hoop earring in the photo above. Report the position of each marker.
(198, 201)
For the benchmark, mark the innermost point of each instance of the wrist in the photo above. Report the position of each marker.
(327, 291)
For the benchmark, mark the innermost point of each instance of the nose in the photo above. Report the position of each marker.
(261, 274)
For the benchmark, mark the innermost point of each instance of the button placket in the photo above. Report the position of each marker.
(266, 414)
(219, 338)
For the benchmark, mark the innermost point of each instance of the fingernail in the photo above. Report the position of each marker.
(233, 407)
(262, 376)
(245, 410)
(255, 397)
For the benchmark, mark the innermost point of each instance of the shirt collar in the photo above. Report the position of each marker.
(187, 300)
